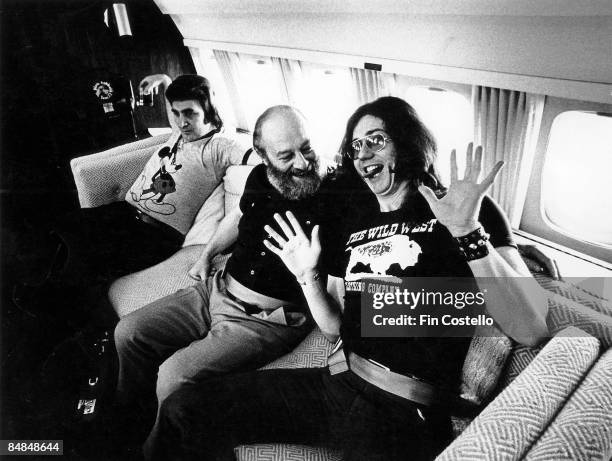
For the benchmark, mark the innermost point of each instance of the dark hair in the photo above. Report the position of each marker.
(195, 87)
(414, 143)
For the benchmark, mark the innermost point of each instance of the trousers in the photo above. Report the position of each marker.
(193, 334)
(207, 420)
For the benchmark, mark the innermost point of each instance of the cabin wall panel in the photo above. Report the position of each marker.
(571, 48)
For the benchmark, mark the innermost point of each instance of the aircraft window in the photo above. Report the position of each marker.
(207, 65)
(575, 190)
(327, 95)
(449, 116)
(260, 83)
(323, 95)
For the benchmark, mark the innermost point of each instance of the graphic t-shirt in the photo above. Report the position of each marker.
(180, 176)
(407, 243)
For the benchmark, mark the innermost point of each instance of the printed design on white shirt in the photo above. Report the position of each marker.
(385, 257)
(151, 192)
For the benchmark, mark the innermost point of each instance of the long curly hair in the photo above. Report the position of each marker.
(415, 145)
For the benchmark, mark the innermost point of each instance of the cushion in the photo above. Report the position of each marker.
(135, 290)
(484, 363)
(583, 428)
(234, 181)
(208, 218)
(511, 423)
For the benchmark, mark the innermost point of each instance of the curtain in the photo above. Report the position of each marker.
(291, 72)
(370, 84)
(506, 124)
(229, 66)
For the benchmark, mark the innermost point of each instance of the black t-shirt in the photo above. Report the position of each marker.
(405, 243)
(251, 263)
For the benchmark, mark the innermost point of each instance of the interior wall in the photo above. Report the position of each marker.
(571, 48)
(52, 53)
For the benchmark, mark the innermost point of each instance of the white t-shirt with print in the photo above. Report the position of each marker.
(176, 182)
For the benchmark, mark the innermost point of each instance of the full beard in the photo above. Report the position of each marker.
(295, 186)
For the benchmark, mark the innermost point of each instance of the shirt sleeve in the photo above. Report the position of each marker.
(495, 223)
(224, 153)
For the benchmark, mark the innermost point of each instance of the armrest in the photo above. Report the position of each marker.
(513, 421)
(583, 429)
(106, 176)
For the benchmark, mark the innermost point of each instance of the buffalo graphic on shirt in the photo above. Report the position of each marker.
(391, 256)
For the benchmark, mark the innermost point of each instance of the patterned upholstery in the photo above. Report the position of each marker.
(488, 352)
(563, 312)
(284, 452)
(583, 428)
(312, 352)
(578, 290)
(106, 177)
(136, 290)
(510, 424)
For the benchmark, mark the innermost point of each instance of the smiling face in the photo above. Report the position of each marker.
(377, 168)
(190, 119)
(292, 164)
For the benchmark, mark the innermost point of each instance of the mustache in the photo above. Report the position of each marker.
(308, 171)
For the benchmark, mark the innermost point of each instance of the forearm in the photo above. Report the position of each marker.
(225, 235)
(324, 309)
(165, 83)
(518, 304)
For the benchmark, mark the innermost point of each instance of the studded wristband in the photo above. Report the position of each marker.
(474, 245)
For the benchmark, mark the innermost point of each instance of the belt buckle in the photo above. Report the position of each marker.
(336, 362)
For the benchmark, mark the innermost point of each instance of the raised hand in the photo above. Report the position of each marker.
(152, 82)
(458, 210)
(299, 253)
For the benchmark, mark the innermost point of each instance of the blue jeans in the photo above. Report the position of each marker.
(305, 406)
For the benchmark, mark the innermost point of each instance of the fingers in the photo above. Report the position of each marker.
(299, 232)
(453, 172)
(280, 241)
(477, 164)
(486, 183)
(272, 248)
(314, 238)
(468, 162)
(429, 195)
(283, 225)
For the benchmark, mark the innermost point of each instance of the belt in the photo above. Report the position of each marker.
(261, 301)
(250, 309)
(145, 218)
(403, 386)
(407, 387)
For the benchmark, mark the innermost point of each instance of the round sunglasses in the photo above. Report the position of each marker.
(373, 142)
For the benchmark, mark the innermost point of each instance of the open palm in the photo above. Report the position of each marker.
(299, 253)
(458, 210)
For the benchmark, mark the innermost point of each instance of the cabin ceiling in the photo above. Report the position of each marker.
(426, 7)
(566, 40)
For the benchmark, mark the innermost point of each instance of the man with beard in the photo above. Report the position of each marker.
(248, 314)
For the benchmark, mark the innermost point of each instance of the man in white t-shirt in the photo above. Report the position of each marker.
(100, 244)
